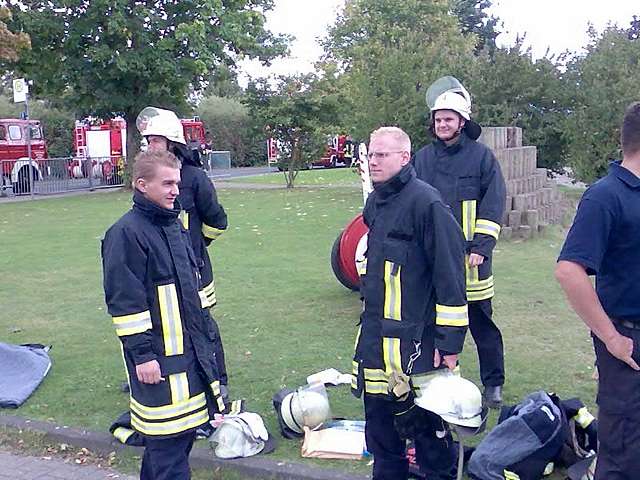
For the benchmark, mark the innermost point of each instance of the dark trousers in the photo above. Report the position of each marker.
(219, 351)
(167, 458)
(619, 413)
(488, 341)
(436, 456)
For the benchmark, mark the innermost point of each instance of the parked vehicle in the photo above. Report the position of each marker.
(14, 157)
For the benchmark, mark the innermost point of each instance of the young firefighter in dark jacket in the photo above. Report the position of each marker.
(201, 214)
(153, 293)
(468, 176)
(414, 315)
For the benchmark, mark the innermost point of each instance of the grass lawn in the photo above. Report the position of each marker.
(316, 176)
(281, 312)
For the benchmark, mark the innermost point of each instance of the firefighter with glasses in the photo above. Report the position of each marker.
(414, 316)
(468, 176)
(201, 214)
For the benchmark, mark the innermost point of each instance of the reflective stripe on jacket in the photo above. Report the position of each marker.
(152, 292)
(469, 178)
(413, 286)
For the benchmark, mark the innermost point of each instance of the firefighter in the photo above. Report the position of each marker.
(349, 151)
(414, 315)
(468, 176)
(603, 241)
(201, 214)
(153, 293)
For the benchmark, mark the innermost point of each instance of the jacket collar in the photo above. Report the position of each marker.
(454, 148)
(627, 176)
(395, 183)
(155, 213)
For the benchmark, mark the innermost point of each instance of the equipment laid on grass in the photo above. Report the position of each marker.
(306, 406)
(242, 435)
(339, 439)
(22, 369)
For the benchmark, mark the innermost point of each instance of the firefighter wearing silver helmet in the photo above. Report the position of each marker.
(201, 213)
(468, 176)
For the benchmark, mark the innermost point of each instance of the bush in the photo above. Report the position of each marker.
(231, 129)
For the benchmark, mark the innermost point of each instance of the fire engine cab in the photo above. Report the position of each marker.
(14, 159)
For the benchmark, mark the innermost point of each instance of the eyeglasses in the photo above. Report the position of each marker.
(382, 155)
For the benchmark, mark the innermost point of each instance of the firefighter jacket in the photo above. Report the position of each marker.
(204, 218)
(152, 292)
(412, 284)
(469, 178)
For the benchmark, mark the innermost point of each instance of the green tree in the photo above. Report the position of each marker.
(509, 88)
(474, 20)
(386, 52)
(231, 128)
(106, 57)
(11, 44)
(223, 83)
(299, 112)
(603, 83)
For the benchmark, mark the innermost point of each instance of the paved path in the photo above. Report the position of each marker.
(18, 467)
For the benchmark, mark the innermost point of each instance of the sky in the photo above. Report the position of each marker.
(555, 24)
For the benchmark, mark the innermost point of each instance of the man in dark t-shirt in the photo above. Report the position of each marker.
(604, 241)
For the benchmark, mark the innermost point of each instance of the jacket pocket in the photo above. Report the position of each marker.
(401, 346)
(395, 258)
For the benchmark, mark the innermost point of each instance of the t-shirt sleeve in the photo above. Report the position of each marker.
(586, 242)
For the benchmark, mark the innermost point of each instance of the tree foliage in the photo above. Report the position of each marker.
(298, 112)
(509, 88)
(474, 20)
(232, 128)
(602, 84)
(11, 44)
(119, 56)
(387, 53)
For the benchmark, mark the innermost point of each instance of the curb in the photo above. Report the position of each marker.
(252, 467)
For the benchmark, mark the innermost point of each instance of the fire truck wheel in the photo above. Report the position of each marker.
(335, 265)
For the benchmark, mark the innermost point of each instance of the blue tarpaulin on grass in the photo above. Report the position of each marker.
(22, 369)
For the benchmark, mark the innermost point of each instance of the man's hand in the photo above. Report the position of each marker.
(621, 347)
(475, 259)
(149, 372)
(450, 361)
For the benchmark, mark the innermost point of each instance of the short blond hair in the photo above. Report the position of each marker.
(395, 133)
(147, 163)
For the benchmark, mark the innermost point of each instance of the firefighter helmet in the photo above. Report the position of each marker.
(160, 122)
(455, 399)
(446, 84)
(304, 407)
(453, 101)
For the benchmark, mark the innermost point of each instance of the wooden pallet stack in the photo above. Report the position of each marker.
(533, 199)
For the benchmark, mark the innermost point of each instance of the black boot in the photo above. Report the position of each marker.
(492, 396)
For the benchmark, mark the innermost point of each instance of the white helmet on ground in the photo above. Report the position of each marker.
(453, 101)
(306, 407)
(160, 122)
(455, 399)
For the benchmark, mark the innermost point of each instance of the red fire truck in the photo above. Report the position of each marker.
(105, 144)
(14, 159)
(339, 152)
(102, 142)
